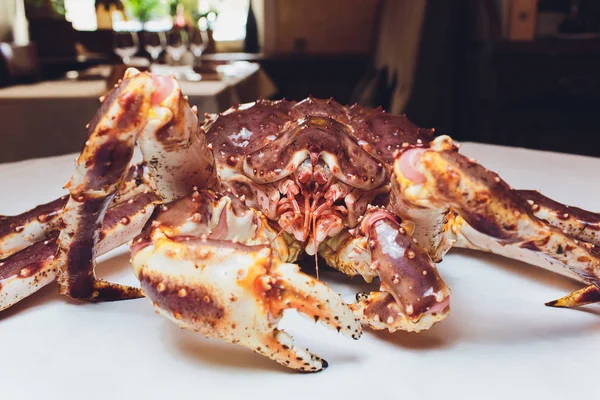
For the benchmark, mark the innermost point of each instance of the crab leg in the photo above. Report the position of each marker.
(469, 238)
(496, 218)
(204, 262)
(27, 271)
(19, 231)
(30, 269)
(413, 296)
(142, 107)
(174, 146)
(581, 297)
(580, 224)
(100, 171)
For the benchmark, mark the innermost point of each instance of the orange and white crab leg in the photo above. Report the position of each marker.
(20, 231)
(99, 172)
(469, 238)
(574, 221)
(413, 296)
(496, 218)
(139, 107)
(204, 262)
(32, 268)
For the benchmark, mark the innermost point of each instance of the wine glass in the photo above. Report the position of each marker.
(198, 42)
(125, 44)
(155, 42)
(176, 43)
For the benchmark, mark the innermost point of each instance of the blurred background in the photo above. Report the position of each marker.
(509, 72)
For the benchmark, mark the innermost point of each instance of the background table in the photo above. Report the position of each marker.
(49, 118)
(499, 342)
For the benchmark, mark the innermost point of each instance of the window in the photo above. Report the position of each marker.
(230, 22)
(227, 18)
(82, 14)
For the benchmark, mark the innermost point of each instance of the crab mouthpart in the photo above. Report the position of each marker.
(306, 207)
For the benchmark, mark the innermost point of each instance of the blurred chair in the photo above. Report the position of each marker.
(18, 64)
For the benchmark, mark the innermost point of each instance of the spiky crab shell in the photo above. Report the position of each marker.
(268, 140)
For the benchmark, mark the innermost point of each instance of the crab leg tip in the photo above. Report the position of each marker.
(554, 303)
(581, 297)
(106, 291)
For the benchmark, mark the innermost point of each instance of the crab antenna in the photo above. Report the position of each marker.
(314, 232)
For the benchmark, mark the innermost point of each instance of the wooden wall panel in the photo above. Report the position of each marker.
(319, 26)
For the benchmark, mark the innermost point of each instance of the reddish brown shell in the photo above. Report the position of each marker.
(263, 139)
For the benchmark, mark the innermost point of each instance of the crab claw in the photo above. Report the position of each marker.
(232, 290)
(413, 295)
(381, 311)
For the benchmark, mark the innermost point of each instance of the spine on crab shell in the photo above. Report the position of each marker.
(32, 268)
(19, 231)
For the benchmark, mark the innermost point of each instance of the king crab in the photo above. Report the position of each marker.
(219, 210)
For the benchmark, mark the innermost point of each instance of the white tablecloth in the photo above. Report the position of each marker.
(499, 342)
(48, 118)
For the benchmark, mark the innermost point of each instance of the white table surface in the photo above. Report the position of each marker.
(499, 342)
(83, 89)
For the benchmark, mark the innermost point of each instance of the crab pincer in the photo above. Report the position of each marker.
(206, 264)
(413, 296)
